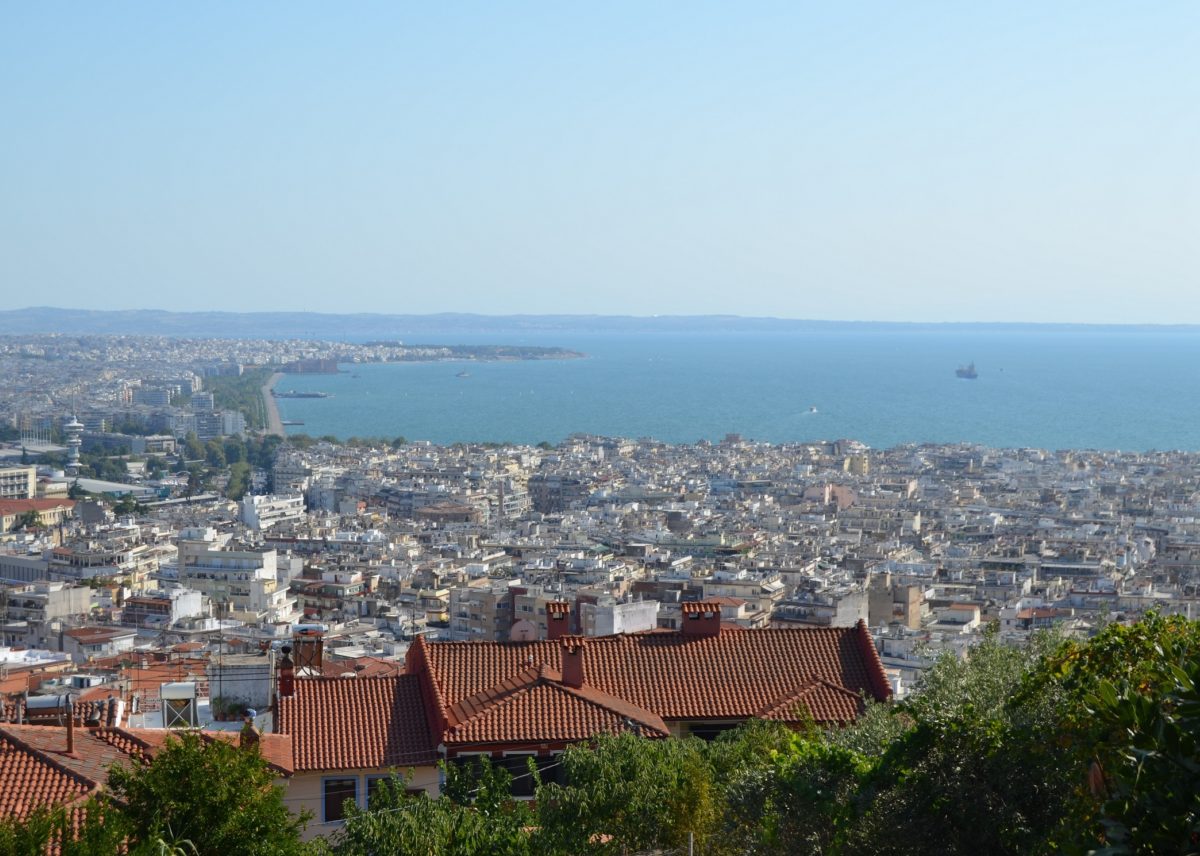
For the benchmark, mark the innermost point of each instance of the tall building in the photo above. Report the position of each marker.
(18, 482)
(240, 583)
(74, 434)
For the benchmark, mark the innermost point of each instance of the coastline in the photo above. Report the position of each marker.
(274, 421)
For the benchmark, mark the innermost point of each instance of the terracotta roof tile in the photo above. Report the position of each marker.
(35, 768)
(19, 506)
(357, 723)
(549, 712)
(28, 778)
(733, 675)
(535, 706)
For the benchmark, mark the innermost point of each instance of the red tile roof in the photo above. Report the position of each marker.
(29, 778)
(357, 723)
(562, 714)
(276, 749)
(738, 674)
(20, 506)
(35, 768)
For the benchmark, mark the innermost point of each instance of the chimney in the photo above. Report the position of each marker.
(70, 723)
(558, 619)
(572, 661)
(701, 619)
(287, 673)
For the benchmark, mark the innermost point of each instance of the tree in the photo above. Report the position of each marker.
(627, 793)
(219, 796)
(128, 505)
(1153, 782)
(93, 828)
(28, 520)
(193, 449)
(239, 480)
(235, 449)
(214, 454)
(475, 817)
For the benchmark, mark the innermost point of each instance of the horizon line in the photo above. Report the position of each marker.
(710, 316)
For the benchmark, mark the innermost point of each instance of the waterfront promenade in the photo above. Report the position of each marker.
(274, 422)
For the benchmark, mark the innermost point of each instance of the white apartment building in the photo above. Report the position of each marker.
(18, 482)
(240, 584)
(263, 512)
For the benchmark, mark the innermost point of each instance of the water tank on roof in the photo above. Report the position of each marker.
(47, 703)
(178, 690)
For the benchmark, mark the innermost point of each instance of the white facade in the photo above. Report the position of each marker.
(240, 584)
(263, 512)
(608, 619)
(18, 482)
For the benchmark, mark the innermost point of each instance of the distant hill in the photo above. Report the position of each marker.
(360, 326)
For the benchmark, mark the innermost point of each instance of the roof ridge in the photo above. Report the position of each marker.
(106, 732)
(47, 758)
(613, 704)
(800, 692)
(647, 720)
(481, 702)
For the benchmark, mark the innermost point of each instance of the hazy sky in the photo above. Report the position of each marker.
(891, 161)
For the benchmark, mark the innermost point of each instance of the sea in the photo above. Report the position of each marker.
(1091, 388)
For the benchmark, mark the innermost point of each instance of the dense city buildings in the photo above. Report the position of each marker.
(537, 594)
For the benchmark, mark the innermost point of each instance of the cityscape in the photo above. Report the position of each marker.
(624, 429)
(162, 560)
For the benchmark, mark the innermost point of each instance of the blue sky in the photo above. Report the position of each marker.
(896, 161)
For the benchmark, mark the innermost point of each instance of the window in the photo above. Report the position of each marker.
(335, 792)
(551, 770)
(709, 730)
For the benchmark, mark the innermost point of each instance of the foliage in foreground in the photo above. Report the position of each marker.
(1056, 747)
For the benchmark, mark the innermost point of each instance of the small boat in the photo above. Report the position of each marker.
(291, 422)
(463, 374)
(967, 372)
(812, 409)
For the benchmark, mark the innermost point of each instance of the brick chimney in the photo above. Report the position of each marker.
(558, 619)
(701, 619)
(287, 673)
(572, 661)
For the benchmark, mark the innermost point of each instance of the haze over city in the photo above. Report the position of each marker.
(929, 161)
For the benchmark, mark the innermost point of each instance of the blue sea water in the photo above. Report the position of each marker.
(1099, 389)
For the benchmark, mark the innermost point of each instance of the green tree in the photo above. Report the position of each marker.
(93, 828)
(239, 480)
(626, 793)
(219, 796)
(1153, 781)
(802, 801)
(214, 454)
(28, 520)
(235, 450)
(193, 449)
(475, 817)
(128, 505)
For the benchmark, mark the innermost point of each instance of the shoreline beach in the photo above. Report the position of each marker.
(274, 421)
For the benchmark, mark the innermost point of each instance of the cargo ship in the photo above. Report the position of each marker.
(967, 372)
(291, 393)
